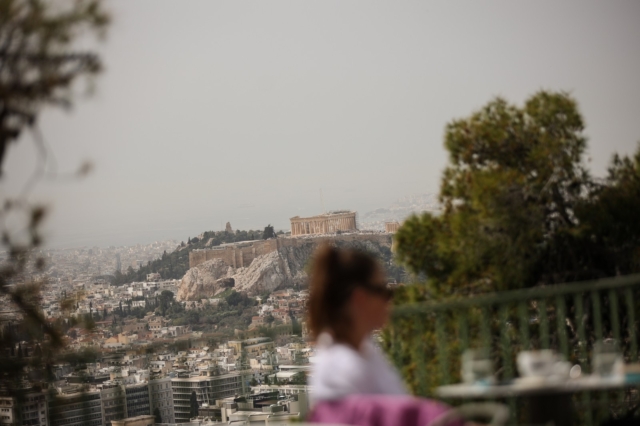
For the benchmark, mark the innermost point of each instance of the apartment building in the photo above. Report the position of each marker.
(114, 404)
(138, 400)
(32, 411)
(208, 389)
(162, 399)
(76, 409)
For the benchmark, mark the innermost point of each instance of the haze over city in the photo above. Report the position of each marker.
(245, 112)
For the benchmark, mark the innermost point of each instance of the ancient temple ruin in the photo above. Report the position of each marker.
(392, 227)
(327, 223)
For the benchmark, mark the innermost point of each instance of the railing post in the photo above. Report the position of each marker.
(544, 324)
(614, 315)
(615, 326)
(420, 357)
(443, 356)
(631, 318)
(463, 330)
(505, 342)
(561, 316)
(485, 328)
(582, 340)
(597, 314)
(523, 315)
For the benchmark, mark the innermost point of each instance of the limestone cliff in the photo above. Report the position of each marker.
(204, 281)
(284, 267)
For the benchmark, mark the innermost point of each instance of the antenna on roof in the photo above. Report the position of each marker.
(322, 202)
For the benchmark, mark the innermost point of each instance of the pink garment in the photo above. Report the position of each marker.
(379, 410)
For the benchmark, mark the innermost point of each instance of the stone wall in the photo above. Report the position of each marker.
(237, 255)
(240, 255)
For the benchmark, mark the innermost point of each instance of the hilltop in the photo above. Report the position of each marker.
(173, 265)
(283, 267)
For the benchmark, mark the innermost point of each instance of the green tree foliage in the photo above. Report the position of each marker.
(520, 208)
(296, 326)
(222, 317)
(298, 379)
(165, 301)
(193, 405)
(268, 232)
(157, 415)
(610, 228)
(236, 298)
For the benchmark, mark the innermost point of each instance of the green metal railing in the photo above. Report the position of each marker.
(426, 340)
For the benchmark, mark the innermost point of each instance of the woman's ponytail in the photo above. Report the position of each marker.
(334, 274)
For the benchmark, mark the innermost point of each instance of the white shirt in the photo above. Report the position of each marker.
(339, 370)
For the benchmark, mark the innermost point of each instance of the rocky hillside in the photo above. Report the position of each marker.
(285, 267)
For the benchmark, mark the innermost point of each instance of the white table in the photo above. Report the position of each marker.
(549, 400)
(523, 387)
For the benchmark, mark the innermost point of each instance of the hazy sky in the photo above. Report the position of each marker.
(215, 111)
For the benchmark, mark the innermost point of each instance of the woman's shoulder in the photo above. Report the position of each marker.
(338, 370)
(337, 358)
(338, 353)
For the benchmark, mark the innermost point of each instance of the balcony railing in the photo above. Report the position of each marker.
(426, 340)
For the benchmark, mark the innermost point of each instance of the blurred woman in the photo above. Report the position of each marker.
(348, 300)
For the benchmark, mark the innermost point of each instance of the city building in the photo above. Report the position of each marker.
(162, 399)
(207, 390)
(114, 404)
(253, 347)
(76, 409)
(138, 400)
(32, 411)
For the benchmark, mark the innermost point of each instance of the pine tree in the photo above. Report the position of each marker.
(509, 193)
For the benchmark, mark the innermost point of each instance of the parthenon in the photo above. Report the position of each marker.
(327, 223)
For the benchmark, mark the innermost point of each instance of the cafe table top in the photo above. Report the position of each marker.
(533, 386)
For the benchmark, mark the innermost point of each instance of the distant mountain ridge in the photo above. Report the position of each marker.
(399, 211)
